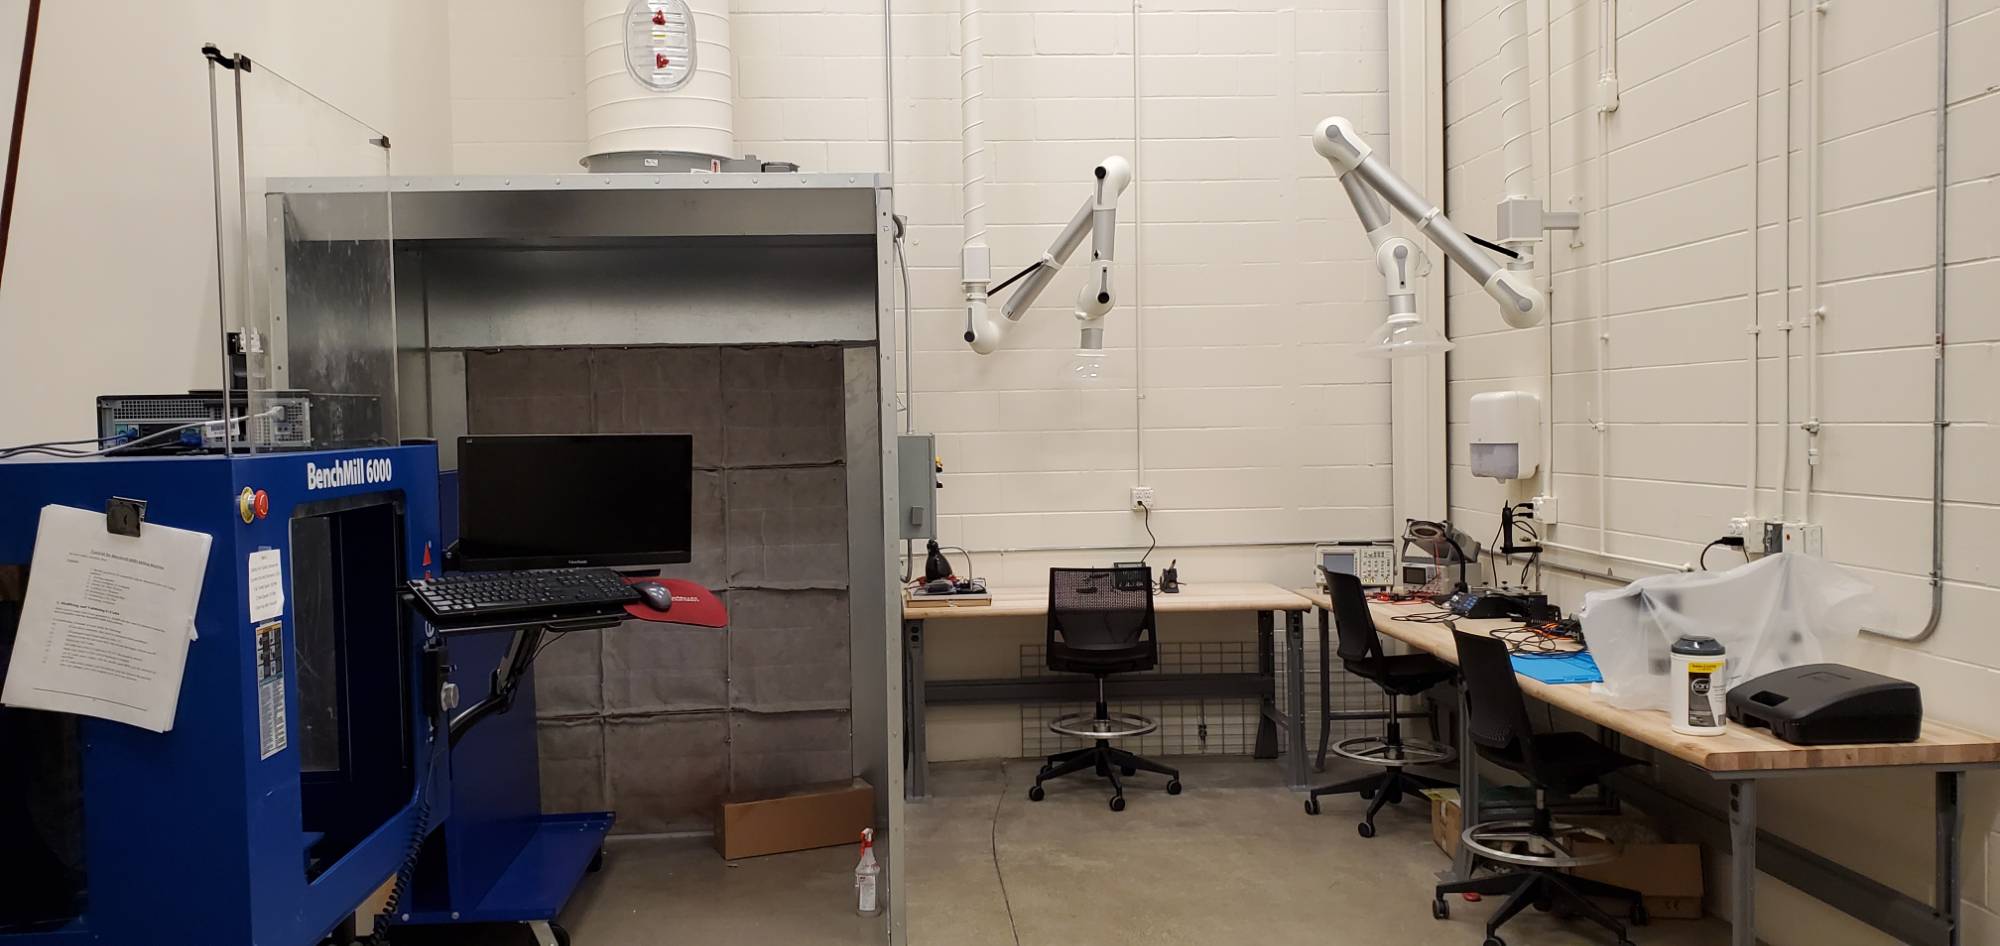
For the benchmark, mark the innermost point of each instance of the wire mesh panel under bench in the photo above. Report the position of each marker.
(1255, 679)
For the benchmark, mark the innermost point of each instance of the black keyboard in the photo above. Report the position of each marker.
(545, 592)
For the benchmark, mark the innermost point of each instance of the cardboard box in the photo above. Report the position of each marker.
(1669, 875)
(1446, 820)
(811, 816)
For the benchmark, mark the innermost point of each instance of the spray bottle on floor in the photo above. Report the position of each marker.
(867, 873)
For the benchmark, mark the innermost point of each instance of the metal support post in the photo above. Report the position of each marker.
(1325, 692)
(913, 695)
(1468, 783)
(1295, 699)
(1743, 862)
(1950, 824)
(1267, 726)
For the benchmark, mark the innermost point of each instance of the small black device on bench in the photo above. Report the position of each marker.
(1825, 704)
(1482, 602)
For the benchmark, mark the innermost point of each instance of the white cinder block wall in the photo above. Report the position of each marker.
(110, 276)
(1232, 387)
(1705, 82)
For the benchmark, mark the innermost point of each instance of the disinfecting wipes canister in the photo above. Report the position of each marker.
(1698, 686)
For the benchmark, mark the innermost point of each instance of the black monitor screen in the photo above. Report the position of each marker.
(544, 502)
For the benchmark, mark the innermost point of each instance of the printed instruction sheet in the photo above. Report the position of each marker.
(107, 621)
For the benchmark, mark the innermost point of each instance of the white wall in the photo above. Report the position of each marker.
(110, 276)
(1233, 389)
(1243, 408)
(1682, 195)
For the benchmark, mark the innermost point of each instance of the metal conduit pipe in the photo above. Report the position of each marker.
(1939, 421)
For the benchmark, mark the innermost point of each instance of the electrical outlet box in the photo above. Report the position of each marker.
(1739, 527)
(1760, 536)
(1142, 497)
(1805, 538)
(917, 486)
(1773, 540)
(1544, 508)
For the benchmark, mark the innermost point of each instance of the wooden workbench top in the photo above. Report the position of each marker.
(1193, 598)
(1737, 750)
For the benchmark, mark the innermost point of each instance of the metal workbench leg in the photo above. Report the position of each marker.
(913, 696)
(1295, 699)
(1325, 693)
(1743, 862)
(1468, 783)
(1267, 728)
(1950, 824)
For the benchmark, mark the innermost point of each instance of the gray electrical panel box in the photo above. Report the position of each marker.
(916, 466)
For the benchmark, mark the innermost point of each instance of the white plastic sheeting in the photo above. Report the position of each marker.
(1777, 612)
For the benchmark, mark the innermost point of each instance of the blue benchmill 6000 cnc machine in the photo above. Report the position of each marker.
(254, 821)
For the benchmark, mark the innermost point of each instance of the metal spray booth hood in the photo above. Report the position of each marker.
(634, 260)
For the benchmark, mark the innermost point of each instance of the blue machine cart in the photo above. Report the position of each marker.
(193, 837)
(499, 859)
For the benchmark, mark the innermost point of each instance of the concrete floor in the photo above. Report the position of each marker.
(1232, 859)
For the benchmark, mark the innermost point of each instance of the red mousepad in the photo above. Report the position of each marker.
(693, 604)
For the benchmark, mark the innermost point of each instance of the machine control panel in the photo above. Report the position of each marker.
(1372, 561)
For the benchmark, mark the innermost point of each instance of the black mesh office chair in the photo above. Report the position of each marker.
(1101, 623)
(1398, 675)
(1540, 848)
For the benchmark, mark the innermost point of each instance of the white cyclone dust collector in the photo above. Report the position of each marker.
(658, 87)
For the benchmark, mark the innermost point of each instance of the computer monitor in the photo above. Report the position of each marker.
(555, 501)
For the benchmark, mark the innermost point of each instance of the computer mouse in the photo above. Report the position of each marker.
(657, 596)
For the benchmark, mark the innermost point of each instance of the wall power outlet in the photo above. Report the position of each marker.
(1142, 497)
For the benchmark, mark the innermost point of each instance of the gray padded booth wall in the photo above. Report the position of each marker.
(658, 722)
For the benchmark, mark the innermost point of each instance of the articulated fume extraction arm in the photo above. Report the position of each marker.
(1098, 218)
(1369, 183)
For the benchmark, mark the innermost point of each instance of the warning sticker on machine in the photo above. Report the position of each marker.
(271, 688)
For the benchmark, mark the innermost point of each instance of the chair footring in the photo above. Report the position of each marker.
(1109, 726)
(1518, 842)
(1374, 750)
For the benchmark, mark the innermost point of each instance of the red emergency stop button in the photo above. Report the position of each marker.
(263, 504)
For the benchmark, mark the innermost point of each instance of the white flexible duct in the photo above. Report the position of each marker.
(975, 263)
(1517, 149)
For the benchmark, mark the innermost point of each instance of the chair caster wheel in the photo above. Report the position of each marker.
(1367, 794)
(1494, 941)
(1639, 915)
(1035, 793)
(1173, 786)
(1440, 910)
(561, 935)
(1544, 906)
(1117, 803)
(1127, 771)
(1365, 829)
(596, 862)
(1312, 806)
